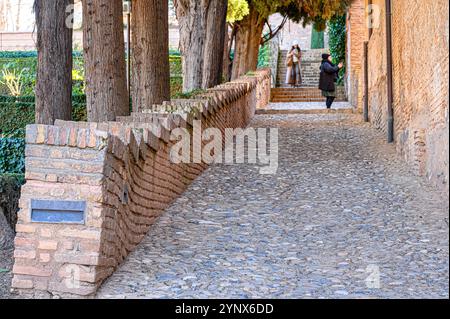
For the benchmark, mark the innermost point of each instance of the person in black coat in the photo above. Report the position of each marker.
(328, 76)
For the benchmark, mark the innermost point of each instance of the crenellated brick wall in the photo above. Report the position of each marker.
(123, 173)
(420, 35)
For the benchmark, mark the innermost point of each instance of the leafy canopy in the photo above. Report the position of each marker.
(237, 10)
(316, 12)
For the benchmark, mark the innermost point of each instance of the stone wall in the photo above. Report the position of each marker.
(123, 172)
(420, 76)
(294, 32)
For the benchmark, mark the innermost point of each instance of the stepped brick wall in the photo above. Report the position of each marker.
(123, 173)
(421, 76)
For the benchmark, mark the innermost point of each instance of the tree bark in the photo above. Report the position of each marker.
(150, 53)
(104, 53)
(248, 40)
(216, 28)
(3, 13)
(227, 62)
(54, 66)
(19, 5)
(192, 16)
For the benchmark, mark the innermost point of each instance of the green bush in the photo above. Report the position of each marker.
(28, 54)
(337, 42)
(12, 155)
(175, 65)
(17, 112)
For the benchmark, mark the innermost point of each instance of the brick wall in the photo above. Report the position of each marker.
(421, 75)
(123, 171)
(357, 33)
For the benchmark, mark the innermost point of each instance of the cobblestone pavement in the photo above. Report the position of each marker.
(342, 212)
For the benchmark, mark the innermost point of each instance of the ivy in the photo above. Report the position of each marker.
(12, 155)
(337, 41)
(263, 56)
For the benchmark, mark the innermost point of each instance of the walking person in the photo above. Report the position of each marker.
(293, 63)
(329, 74)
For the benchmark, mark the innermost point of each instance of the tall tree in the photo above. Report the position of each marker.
(3, 14)
(150, 49)
(248, 40)
(192, 15)
(237, 10)
(104, 53)
(216, 27)
(54, 66)
(202, 33)
(19, 7)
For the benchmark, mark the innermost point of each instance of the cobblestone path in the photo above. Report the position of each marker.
(342, 212)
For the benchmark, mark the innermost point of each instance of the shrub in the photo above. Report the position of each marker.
(29, 54)
(175, 66)
(17, 112)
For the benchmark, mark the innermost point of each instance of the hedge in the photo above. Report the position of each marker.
(17, 112)
(28, 54)
(33, 54)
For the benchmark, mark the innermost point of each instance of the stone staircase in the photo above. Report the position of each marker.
(310, 65)
(302, 94)
(308, 92)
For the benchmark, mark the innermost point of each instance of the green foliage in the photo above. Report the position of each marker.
(267, 7)
(14, 116)
(175, 65)
(188, 95)
(17, 112)
(12, 155)
(28, 54)
(237, 10)
(263, 56)
(316, 12)
(176, 86)
(337, 41)
(317, 39)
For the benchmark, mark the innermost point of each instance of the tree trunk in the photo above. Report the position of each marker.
(19, 6)
(215, 42)
(54, 66)
(192, 16)
(3, 13)
(150, 53)
(227, 62)
(248, 40)
(104, 54)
